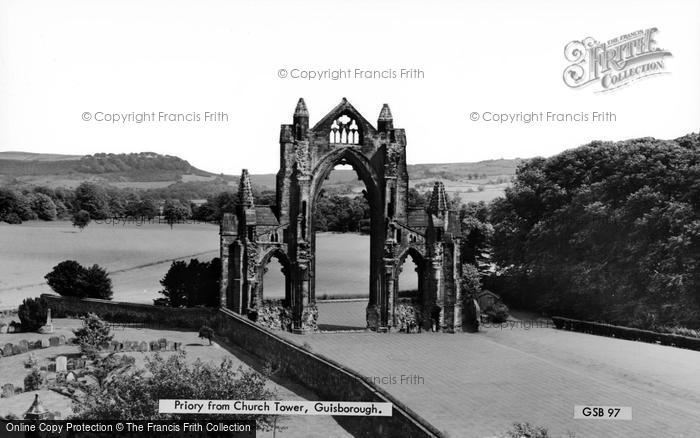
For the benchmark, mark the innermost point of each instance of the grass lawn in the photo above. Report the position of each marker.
(137, 257)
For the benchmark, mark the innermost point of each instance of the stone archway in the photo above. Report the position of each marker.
(263, 266)
(307, 156)
(378, 296)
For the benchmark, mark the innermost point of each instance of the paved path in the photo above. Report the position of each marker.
(477, 385)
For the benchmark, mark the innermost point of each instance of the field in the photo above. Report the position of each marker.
(342, 268)
(137, 257)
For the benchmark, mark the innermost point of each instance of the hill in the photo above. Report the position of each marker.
(138, 170)
(483, 180)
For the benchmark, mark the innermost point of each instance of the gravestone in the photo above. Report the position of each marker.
(52, 367)
(23, 346)
(45, 343)
(170, 346)
(53, 341)
(155, 346)
(16, 350)
(143, 346)
(163, 343)
(3, 328)
(48, 326)
(7, 350)
(70, 364)
(70, 377)
(8, 390)
(62, 340)
(61, 364)
(177, 345)
(37, 344)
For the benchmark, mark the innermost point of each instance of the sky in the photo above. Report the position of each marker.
(66, 66)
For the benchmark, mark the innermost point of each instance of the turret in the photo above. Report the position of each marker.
(301, 120)
(438, 200)
(386, 120)
(245, 190)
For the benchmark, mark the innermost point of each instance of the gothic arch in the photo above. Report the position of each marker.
(359, 162)
(416, 255)
(284, 261)
(420, 261)
(373, 193)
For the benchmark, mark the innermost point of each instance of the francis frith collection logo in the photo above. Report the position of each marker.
(614, 63)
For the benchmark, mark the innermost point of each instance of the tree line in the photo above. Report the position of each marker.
(605, 232)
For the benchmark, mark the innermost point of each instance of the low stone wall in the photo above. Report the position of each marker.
(328, 379)
(115, 311)
(628, 333)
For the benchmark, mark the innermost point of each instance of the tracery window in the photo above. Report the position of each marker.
(344, 130)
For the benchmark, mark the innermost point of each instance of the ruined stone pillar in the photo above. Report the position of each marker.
(457, 273)
(390, 276)
(438, 287)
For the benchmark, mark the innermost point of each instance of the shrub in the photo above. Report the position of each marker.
(134, 396)
(31, 361)
(34, 380)
(206, 332)
(520, 430)
(32, 313)
(498, 313)
(471, 281)
(93, 335)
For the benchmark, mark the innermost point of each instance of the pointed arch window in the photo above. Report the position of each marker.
(344, 130)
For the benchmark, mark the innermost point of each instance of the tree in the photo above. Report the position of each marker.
(94, 282)
(43, 206)
(175, 285)
(81, 219)
(477, 234)
(32, 314)
(93, 335)
(144, 209)
(93, 199)
(14, 206)
(69, 278)
(63, 278)
(191, 284)
(606, 231)
(134, 395)
(174, 211)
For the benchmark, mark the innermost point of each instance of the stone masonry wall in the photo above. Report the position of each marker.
(115, 311)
